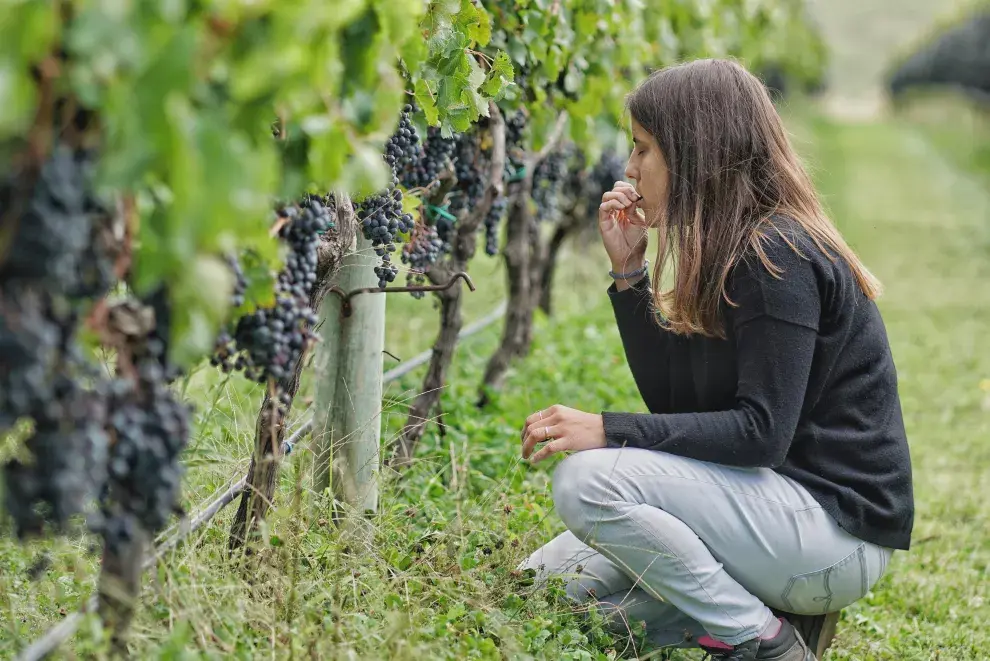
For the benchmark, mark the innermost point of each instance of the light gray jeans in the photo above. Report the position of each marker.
(692, 547)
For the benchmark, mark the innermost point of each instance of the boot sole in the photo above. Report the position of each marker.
(819, 643)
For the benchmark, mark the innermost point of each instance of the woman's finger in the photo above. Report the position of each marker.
(542, 414)
(540, 418)
(613, 205)
(626, 197)
(556, 445)
(625, 185)
(628, 194)
(536, 435)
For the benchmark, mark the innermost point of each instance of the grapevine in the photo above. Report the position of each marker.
(195, 179)
(267, 342)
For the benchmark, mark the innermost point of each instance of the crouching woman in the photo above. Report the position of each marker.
(770, 482)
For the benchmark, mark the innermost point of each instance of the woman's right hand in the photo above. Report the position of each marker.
(623, 231)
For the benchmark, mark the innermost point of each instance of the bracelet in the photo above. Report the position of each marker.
(639, 271)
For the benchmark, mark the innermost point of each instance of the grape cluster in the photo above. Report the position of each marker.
(306, 223)
(30, 350)
(470, 187)
(272, 339)
(433, 159)
(68, 446)
(402, 149)
(423, 249)
(240, 282)
(150, 428)
(268, 342)
(382, 219)
(55, 226)
(56, 264)
(492, 221)
(548, 181)
(515, 137)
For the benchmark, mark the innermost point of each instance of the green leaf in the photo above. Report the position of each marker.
(500, 75)
(411, 203)
(475, 22)
(259, 275)
(366, 172)
(328, 149)
(461, 119)
(426, 102)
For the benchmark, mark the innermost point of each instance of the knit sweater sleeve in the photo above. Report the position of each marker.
(774, 323)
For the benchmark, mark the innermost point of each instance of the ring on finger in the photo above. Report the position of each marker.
(546, 433)
(541, 414)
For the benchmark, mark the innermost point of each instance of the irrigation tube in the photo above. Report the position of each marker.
(423, 358)
(174, 536)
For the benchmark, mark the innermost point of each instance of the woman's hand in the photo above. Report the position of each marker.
(569, 430)
(622, 229)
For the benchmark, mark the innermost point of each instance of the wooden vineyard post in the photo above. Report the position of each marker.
(347, 416)
(270, 429)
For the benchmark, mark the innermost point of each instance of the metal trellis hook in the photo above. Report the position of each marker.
(345, 298)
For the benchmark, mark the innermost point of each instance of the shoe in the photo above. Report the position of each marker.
(818, 631)
(787, 645)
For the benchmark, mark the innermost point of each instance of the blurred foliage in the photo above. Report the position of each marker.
(186, 97)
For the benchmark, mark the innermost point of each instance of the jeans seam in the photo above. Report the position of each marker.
(721, 486)
(826, 573)
(784, 596)
(829, 595)
(864, 571)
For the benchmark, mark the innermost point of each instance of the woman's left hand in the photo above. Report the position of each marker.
(568, 430)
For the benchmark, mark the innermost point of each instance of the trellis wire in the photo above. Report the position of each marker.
(171, 538)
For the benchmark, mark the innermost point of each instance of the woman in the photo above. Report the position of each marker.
(771, 481)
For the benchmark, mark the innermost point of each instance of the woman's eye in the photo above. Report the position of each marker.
(641, 152)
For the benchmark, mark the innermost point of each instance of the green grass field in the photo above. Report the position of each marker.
(912, 195)
(438, 581)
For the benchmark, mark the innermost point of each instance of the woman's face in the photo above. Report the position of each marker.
(648, 169)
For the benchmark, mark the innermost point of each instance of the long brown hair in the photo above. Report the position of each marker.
(731, 171)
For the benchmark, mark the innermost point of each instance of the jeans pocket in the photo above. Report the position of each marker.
(829, 589)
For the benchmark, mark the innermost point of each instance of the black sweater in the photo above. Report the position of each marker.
(804, 383)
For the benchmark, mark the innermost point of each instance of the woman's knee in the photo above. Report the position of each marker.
(580, 483)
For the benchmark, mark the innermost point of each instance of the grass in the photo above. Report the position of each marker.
(437, 583)
(909, 193)
(921, 223)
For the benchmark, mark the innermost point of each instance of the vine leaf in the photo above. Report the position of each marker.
(499, 76)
